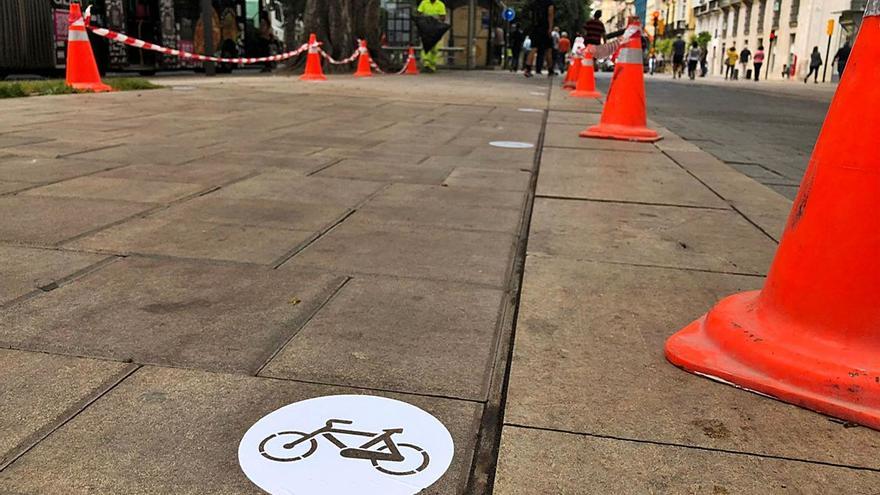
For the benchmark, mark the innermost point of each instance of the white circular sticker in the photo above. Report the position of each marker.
(344, 444)
(537, 93)
(511, 144)
(530, 110)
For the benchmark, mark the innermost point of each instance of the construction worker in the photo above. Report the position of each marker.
(436, 9)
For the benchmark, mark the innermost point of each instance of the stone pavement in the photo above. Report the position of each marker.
(178, 263)
(628, 243)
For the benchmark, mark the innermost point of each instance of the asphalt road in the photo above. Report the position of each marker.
(764, 133)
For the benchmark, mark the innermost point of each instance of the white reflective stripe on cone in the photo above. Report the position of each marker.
(586, 62)
(630, 56)
(74, 35)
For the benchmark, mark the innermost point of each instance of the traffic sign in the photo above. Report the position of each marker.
(509, 14)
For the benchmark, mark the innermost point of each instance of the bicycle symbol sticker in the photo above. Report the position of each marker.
(346, 444)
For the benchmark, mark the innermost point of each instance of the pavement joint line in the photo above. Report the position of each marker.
(145, 213)
(72, 177)
(734, 208)
(61, 282)
(321, 168)
(488, 444)
(358, 274)
(649, 265)
(81, 152)
(302, 325)
(621, 201)
(69, 414)
(693, 447)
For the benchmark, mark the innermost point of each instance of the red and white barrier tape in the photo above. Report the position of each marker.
(608, 49)
(354, 56)
(137, 43)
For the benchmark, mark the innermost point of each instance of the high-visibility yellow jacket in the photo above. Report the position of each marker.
(436, 8)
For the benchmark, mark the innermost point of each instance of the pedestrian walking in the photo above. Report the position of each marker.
(678, 49)
(554, 53)
(498, 44)
(815, 63)
(564, 48)
(704, 63)
(693, 60)
(543, 14)
(517, 38)
(745, 57)
(436, 9)
(841, 57)
(594, 29)
(652, 63)
(759, 62)
(732, 57)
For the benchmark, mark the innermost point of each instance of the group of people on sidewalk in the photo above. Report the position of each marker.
(745, 57)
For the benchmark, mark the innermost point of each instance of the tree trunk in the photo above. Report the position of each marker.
(339, 24)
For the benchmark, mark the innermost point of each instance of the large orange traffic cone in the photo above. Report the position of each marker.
(586, 82)
(625, 116)
(363, 68)
(314, 71)
(412, 68)
(82, 71)
(812, 336)
(571, 77)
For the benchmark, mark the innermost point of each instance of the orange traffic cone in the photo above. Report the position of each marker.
(363, 68)
(82, 71)
(412, 68)
(812, 336)
(625, 116)
(571, 77)
(586, 82)
(314, 71)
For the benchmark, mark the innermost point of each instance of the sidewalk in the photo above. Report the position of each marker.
(628, 243)
(790, 87)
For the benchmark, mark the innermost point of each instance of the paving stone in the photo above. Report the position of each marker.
(524, 162)
(358, 246)
(195, 315)
(434, 197)
(290, 186)
(255, 212)
(621, 176)
(489, 179)
(47, 221)
(695, 238)
(157, 154)
(39, 390)
(566, 136)
(177, 431)
(581, 119)
(413, 336)
(140, 191)
(589, 358)
(422, 148)
(39, 169)
(427, 215)
(8, 187)
(264, 159)
(204, 173)
(187, 238)
(386, 172)
(24, 270)
(536, 461)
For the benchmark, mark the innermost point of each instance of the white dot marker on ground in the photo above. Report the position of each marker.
(537, 93)
(530, 110)
(511, 144)
(183, 88)
(344, 444)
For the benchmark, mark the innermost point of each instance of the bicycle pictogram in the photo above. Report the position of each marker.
(292, 446)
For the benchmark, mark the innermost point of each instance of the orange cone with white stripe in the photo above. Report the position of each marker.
(571, 77)
(412, 68)
(586, 82)
(82, 71)
(314, 71)
(363, 68)
(625, 114)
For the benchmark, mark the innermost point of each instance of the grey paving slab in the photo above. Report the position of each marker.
(261, 158)
(578, 119)
(765, 207)
(386, 172)
(589, 358)
(695, 238)
(413, 336)
(188, 238)
(309, 217)
(359, 246)
(426, 215)
(24, 270)
(422, 196)
(40, 390)
(40, 169)
(196, 315)
(378, 155)
(534, 461)
(8, 187)
(204, 173)
(503, 180)
(486, 160)
(159, 154)
(621, 176)
(429, 148)
(177, 431)
(566, 136)
(140, 191)
(284, 185)
(48, 221)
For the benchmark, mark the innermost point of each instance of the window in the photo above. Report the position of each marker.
(762, 7)
(748, 20)
(795, 10)
(777, 7)
(735, 21)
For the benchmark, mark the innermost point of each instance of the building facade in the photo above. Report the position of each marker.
(796, 26)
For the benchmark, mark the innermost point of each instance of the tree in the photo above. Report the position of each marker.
(703, 39)
(338, 24)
